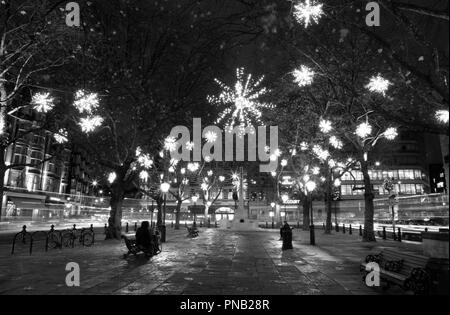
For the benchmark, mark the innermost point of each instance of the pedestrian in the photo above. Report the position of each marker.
(144, 239)
(286, 235)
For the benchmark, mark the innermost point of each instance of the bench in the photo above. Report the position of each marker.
(133, 248)
(407, 270)
(192, 232)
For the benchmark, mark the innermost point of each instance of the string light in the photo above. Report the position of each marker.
(335, 142)
(211, 137)
(170, 144)
(190, 145)
(325, 126)
(390, 133)
(112, 177)
(61, 136)
(307, 12)
(143, 175)
(321, 153)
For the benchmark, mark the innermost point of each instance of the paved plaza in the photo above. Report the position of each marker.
(218, 262)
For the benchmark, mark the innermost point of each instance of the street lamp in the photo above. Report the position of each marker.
(194, 200)
(272, 213)
(310, 187)
(284, 198)
(164, 189)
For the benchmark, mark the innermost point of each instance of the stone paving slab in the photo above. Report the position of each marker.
(218, 262)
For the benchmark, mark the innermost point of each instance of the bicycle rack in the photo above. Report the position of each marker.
(22, 233)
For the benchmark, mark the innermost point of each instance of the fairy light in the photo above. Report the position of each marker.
(193, 167)
(316, 170)
(190, 145)
(321, 153)
(61, 136)
(303, 76)
(204, 186)
(244, 98)
(86, 102)
(325, 126)
(143, 175)
(307, 12)
(391, 133)
(442, 116)
(145, 160)
(42, 102)
(363, 130)
(210, 173)
(89, 124)
(170, 144)
(304, 146)
(378, 84)
(112, 177)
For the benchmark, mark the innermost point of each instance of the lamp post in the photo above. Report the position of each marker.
(194, 200)
(272, 213)
(164, 189)
(310, 187)
(284, 198)
(337, 185)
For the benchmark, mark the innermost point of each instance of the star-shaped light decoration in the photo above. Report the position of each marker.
(145, 160)
(442, 116)
(112, 177)
(89, 124)
(42, 102)
(363, 130)
(378, 85)
(86, 102)
(391, 133)
(243, 98)
(170, 144)
(211, 137)
(190, 145)
(320, 152)
(303, 76)
(335, 142)
(61, 136)
(307, 12)
(143, 175)
(325, 126)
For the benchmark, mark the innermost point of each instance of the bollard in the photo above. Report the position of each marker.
(298, 225)
(215, 224)
(267, 225)
(399, 236)
(106, 229)
(201, 223)
(360, 230)
(337, 227)
(384, 232)
(350, 230)
(126, 228)
(426, 229)
(171, 224)
(343, 228)
(135, 226)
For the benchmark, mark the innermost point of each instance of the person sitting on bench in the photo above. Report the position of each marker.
(144, 239)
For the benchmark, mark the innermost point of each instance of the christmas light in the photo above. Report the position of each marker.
(145, 160)
(193, 167)
(390, 133)
(42, 102)
(86, 102)
(170, 144)
(304, 146)
(89, 124)
(244, 98)
(210, 173)
(325, 126)
(335, 142)
(307, 12)
(165, 187)
(221, 178)
(112, 177)
(378, 84)
(61, 136)
(190, 145)
(442, 116)
(303, 76)
(284, 163)
(204, 186)
(316, 170)
(211, 137)
(143, 175)
(363, 130)
(321, 153)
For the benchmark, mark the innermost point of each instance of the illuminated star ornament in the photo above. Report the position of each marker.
(244, 100)
(442, 116)
(363, 130)
(325, 126)
(85, 102)
(303, 76)
(391, 133)
(61, 136)
(90, 123)
(42, 102)
(378, 85)
(170, 144)
(211, 137)
(307, 12)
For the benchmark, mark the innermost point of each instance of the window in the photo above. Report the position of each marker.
(417, 174)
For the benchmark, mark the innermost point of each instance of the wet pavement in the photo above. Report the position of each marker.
(218, 262)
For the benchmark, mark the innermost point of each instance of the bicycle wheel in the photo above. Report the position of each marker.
(53, 241)
(67, 240)
(88, 239)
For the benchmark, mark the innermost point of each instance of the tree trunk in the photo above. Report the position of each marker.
(2, 179)
(115, 215)
(306, 213)
(206, 214)
(328, 203)
(177, 215)
(159, 206)
(369, 234)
